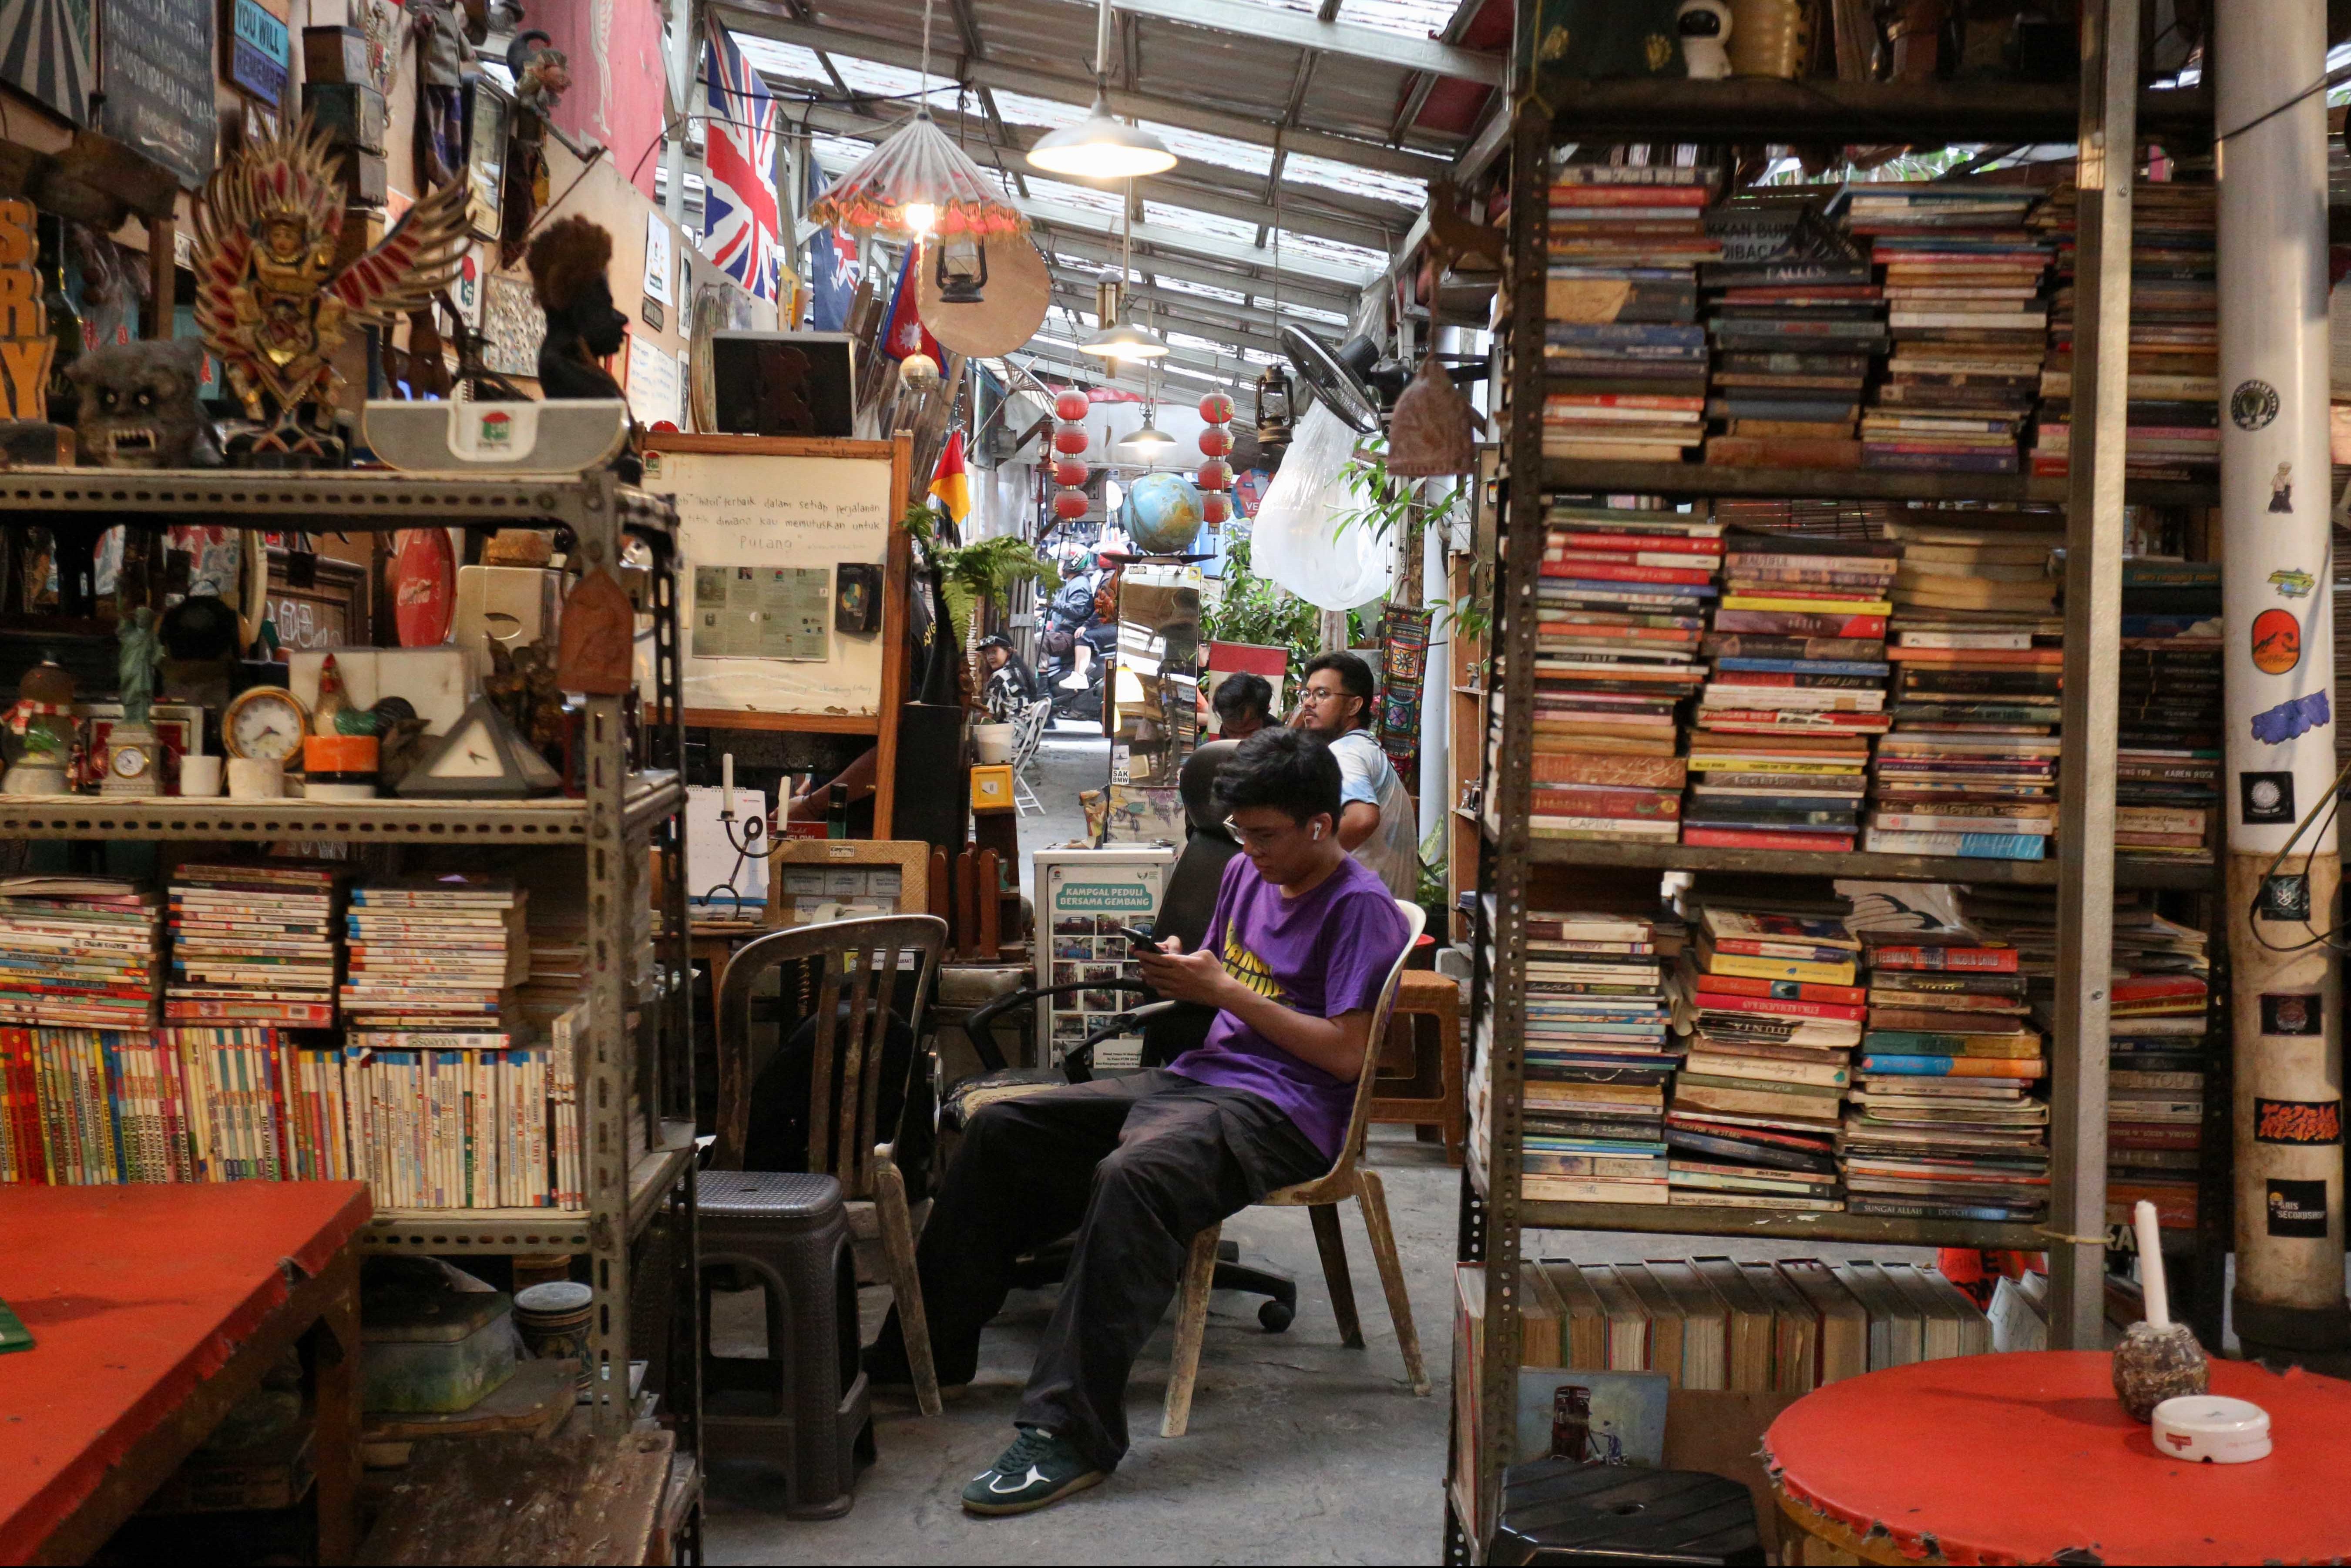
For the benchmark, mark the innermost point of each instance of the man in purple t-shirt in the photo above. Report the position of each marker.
(1300, 945)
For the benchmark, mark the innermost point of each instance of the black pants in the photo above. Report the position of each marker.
(1137, 1167)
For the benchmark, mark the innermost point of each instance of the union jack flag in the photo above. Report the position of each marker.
(740, 220)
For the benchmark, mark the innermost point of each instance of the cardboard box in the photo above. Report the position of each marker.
(351, 115)
(335, 55)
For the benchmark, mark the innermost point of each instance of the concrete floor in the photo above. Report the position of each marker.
(1299, 1450)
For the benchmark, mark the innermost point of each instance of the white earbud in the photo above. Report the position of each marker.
(1315, 832)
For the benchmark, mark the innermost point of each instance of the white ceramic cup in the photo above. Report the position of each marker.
(256, 779)
(200, 776)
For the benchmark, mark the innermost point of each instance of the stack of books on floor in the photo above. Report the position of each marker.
(1616, 654)
(2174, 429)
(1793, 345)
(79, 952)
(91, 1107)
(255, 942)
(2155, 1065)
(433, 962)
(1774, 1016)
(1963, 278)
(1970, 766)
(1626, 356)
(1599, 1052)
(1775, 686)
(2168, 756)
(1946, 1123)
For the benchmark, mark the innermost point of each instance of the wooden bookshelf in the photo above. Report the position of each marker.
(1932, 113)
(1854, 863)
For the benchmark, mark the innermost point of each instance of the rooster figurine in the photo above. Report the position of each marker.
(270, 300)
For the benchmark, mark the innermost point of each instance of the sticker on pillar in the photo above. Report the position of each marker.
(2293, 584)
(2266, 796)
(2293, 1015)
(2298, 1208)
(2293, 717)
(2277, 641)
(2285, 897)
(2282, 488)
(2253, 405)
(2314, 1121)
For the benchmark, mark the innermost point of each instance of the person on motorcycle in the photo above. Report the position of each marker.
(1071, 608)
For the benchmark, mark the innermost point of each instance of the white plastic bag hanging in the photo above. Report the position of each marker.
(1293, 541)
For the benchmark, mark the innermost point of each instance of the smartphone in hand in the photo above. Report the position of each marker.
(1143, 940)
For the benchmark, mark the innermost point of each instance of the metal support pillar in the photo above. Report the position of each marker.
(684, 47)
(2093, 591)
(2279, 659)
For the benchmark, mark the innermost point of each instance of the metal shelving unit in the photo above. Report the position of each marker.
(629, 809)
(1547, 113)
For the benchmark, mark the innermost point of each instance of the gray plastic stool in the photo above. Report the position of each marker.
(803, 1410)
(1556, 1512)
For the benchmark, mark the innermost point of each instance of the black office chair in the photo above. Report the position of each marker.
(1169, 1029)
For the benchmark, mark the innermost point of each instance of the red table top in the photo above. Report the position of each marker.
(134, 1295)
(2013, 1458)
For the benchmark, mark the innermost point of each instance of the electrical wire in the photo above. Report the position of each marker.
(2330, 803)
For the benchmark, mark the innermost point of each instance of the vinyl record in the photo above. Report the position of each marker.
(424, 586)
(1012, 305)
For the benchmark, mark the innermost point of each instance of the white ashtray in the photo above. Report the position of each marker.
(2210, 1428)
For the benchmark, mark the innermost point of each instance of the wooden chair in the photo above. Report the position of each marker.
(1321, 1197)
(869, 954)
(1425, 993)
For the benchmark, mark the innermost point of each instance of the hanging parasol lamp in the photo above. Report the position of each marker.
(1101, 146)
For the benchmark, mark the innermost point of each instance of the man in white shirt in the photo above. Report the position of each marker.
(1376, 820)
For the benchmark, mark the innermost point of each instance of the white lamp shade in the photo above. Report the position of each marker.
(1149, 438)
(1101, 147)
(1124, 341)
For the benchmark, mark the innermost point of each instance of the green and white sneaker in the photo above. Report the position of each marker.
(1037, 1470)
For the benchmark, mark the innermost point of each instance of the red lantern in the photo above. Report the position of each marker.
(1216, 506)
(1216, 441)
(1069, 471)
(1070, 505)
(1215, 474)
(1215, 408)
(1072, 405)
(1070, 439)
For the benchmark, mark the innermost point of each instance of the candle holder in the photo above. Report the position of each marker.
(746, 843)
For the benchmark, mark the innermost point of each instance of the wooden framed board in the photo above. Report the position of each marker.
(764, 522)
(847, 879)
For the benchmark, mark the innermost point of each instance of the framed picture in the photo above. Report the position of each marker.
(812, 880)
(179, 726)
(512, 326)
(488, 114)
(330, 612)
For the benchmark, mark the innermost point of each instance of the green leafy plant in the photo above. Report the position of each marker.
(1385, 505)
(1254, 609)
(986, 570)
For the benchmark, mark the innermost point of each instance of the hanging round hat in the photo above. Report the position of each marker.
(1014, 299)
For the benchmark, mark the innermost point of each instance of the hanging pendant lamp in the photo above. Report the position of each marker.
(1115, 337)
(1101, 146)
(919, 185)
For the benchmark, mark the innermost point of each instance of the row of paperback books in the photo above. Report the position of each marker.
(426, 1129)
(2168, 756)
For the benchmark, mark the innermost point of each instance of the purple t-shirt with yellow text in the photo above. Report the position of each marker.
(1325, 952)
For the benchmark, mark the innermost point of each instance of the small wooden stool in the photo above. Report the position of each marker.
(1427, 993)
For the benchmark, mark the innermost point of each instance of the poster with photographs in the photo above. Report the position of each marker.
(1085, 900)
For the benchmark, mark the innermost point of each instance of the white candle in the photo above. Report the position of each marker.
(2151, 1265)
(727, 785)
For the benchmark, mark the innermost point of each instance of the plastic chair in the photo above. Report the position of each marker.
(869, 952)
(1321, 1197)
(1025, 741)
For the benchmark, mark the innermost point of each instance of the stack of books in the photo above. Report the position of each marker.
(79, 952)
(1970, 766)
(433, 962)
(1626, 242)
(1599, 1051)
(1792, 355)
(255, 942)
(1776, 685)
(2167, 756)
(1774, 1016)
(2174, 340)
(1945, 1122)
(1963, 278)
(2156, 1064)
(1620, 608)
(1625, 355)
(453, 1129)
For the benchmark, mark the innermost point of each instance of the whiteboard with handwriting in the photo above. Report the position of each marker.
(761, 511)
